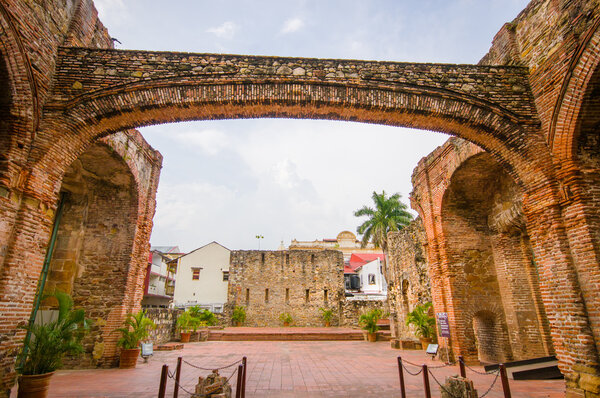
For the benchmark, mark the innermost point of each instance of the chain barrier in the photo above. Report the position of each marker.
(409, 372)
(476, 371)
(430, 367)
(210, 369)
(172, 376)
(492, 386)
(442, 387)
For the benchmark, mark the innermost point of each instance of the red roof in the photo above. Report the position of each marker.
(357, 260)
(348, 270)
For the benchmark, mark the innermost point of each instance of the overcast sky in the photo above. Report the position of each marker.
(231, 180)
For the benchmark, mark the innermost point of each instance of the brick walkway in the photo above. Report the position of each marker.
(285, 369)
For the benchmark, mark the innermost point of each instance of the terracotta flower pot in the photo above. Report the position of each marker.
(425, 342)
(327, 324)
(286, 324)
(128, 358)
(185, 337)
(372, 337)
(34, 386)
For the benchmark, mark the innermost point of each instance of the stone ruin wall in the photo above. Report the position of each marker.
(269, 283)
(408, 272)
(354, 307)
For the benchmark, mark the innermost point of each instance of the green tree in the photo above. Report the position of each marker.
(389, 214)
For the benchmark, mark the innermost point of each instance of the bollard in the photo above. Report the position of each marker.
(426, 382)
(238, 385)
(461, 366)
(401, 375)
(177, 376)
(245, 363)
(505, 386)
(162, 389)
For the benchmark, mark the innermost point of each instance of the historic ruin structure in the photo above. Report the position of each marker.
(532, 104)
(298, 282)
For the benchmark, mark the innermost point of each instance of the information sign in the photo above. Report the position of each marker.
(443, 324)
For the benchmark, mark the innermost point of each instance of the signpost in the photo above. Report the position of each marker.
(442, 318)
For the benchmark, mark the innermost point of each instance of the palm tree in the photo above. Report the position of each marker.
(389, 215)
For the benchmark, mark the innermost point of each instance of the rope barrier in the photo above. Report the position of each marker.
(210, 369)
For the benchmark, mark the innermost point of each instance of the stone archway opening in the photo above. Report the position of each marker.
(93, 249)
(489, 252)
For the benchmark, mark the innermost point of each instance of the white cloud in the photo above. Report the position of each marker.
(210, 141)
(225, 31)
(109, 9)
(292, 25)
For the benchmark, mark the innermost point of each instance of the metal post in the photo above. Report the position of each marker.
(461, 365)
(426, 382)
(177, 376)
(162, 389)
(401, 375)
(238, 385)
(505, 386)
(245, 363)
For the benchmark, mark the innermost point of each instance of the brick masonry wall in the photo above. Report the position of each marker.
(298, 282)
(409, 283)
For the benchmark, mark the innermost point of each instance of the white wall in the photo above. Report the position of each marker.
(374, 268)
(210, 289)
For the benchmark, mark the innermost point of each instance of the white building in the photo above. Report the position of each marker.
(370, 271)
(160, 277)
(202, 278)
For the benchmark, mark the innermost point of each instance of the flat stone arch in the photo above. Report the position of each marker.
(500, 132)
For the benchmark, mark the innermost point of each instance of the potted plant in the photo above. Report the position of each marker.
(423, 323)
(136, 328)
(186, 323)
(238, 316)
(368, 321)
(48, 344)
(286, 318)
(326, 314)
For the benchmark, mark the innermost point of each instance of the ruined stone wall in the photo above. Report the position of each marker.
(409, 276)
(165, 320)
(298, 282)
(353, 307)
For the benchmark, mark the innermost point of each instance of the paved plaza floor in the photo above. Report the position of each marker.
(286, 369)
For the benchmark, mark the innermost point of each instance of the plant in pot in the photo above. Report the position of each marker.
(326, 314)
(368, 321)
(423, 323)
(286, 318)
(48, 344)
(186, 322)
(136, 328)
(238, 316)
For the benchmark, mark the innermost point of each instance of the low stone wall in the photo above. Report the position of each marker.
(165, 319)
(353, 307)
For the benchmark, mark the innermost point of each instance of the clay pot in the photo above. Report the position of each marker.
(128, 358)
(286, 324)
(185, 337)
(34, 386)
(327, 324)
(425, 342)
(372, 337)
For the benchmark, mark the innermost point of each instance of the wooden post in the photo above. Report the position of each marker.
(245, 363)
(177, 377)
(238, 385)
(505, 386)
(401, 375)
(426, 382)
(162, 389)
(461, 366)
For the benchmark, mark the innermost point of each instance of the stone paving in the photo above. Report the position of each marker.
(286, 369)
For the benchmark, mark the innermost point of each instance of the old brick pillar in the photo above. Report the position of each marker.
(562, 294)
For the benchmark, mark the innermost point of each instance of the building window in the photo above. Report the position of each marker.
(247, 296)
(371, 279)
(225, 275)
(325, 296)
(266, 295)
(287, 295)
(307, 297)
(196, 273)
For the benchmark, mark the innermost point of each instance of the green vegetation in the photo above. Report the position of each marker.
(423, 323)
(136, 328)
(239, 315)
(286, 318)
(368, 320)
(50, 342)
(205, 317)
(326, 314)
(186, 322)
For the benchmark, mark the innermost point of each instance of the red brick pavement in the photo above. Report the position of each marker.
(285, 369)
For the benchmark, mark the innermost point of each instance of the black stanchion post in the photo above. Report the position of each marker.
(461, 366)
(505, 386)
(238, 385)
(245, 363)
(401, 375)
(162, 389)
(177, 377)
(426, 382)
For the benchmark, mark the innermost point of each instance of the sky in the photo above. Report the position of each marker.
(231, 180)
